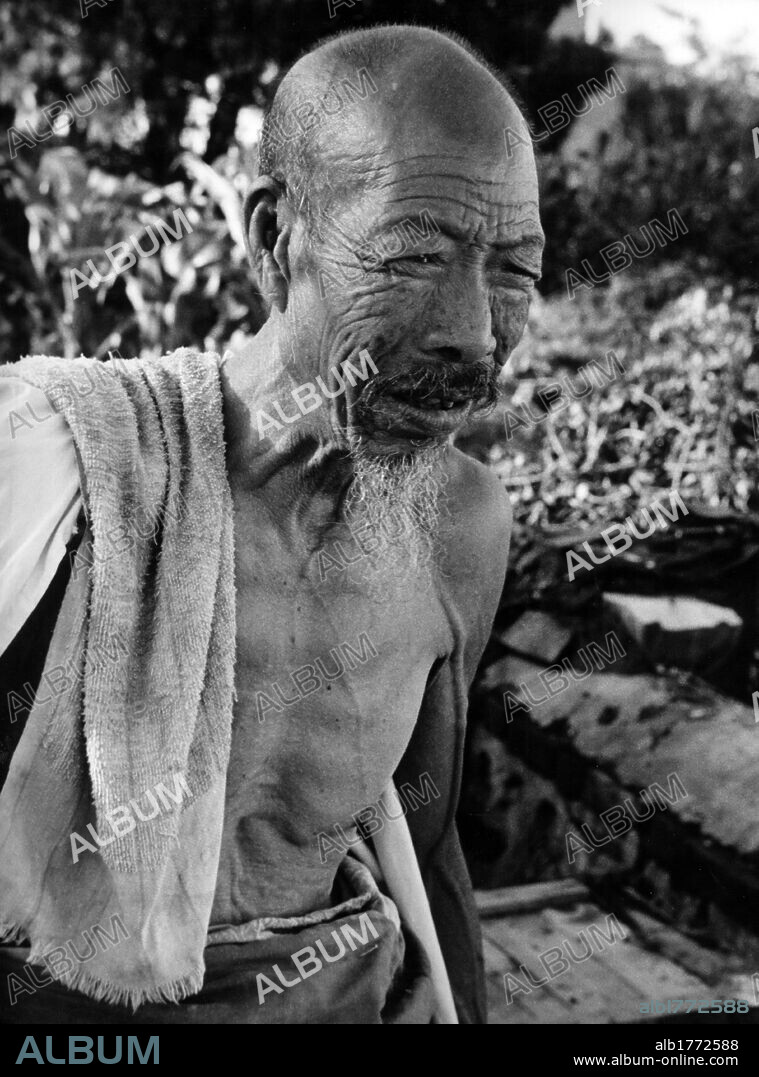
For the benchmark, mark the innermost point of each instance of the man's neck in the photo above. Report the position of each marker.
(303, 470)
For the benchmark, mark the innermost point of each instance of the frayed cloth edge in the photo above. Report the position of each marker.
(172, 991)
(98, 989)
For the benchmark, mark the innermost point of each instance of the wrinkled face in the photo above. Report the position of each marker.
(427, 260)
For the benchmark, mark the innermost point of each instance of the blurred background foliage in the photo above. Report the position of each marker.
(683, 321)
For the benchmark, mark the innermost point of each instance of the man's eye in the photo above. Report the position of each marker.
(410, 259)
(523, 276)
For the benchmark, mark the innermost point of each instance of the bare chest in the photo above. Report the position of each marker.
(330, 675)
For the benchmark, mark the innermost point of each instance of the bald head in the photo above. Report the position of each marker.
(364, 91)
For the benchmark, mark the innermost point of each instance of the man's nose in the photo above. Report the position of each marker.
(461, 327)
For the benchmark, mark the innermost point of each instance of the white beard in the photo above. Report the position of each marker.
(399, 500)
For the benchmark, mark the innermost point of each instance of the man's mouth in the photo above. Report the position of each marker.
(434, 401)
(411, 415)
(424, 403)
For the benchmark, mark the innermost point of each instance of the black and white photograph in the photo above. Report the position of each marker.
(379, 525)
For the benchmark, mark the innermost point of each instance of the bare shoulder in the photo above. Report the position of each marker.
(478, 522)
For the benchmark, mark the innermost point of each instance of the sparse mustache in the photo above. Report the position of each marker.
(479, 381)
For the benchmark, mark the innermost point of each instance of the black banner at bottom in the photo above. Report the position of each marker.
(655, 1046)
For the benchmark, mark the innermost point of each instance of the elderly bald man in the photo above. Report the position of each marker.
(395, 238)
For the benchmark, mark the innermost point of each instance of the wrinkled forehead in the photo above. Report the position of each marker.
(437, 139)
(474, 188)
(459, 175)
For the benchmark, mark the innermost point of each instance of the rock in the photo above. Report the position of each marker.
(537, 635)
(678, 631)
(642, 729)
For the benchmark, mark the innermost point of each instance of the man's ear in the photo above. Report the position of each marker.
(267, 237)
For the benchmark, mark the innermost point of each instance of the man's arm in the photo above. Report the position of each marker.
(39, 500)
(479, 539)
(39, 505)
